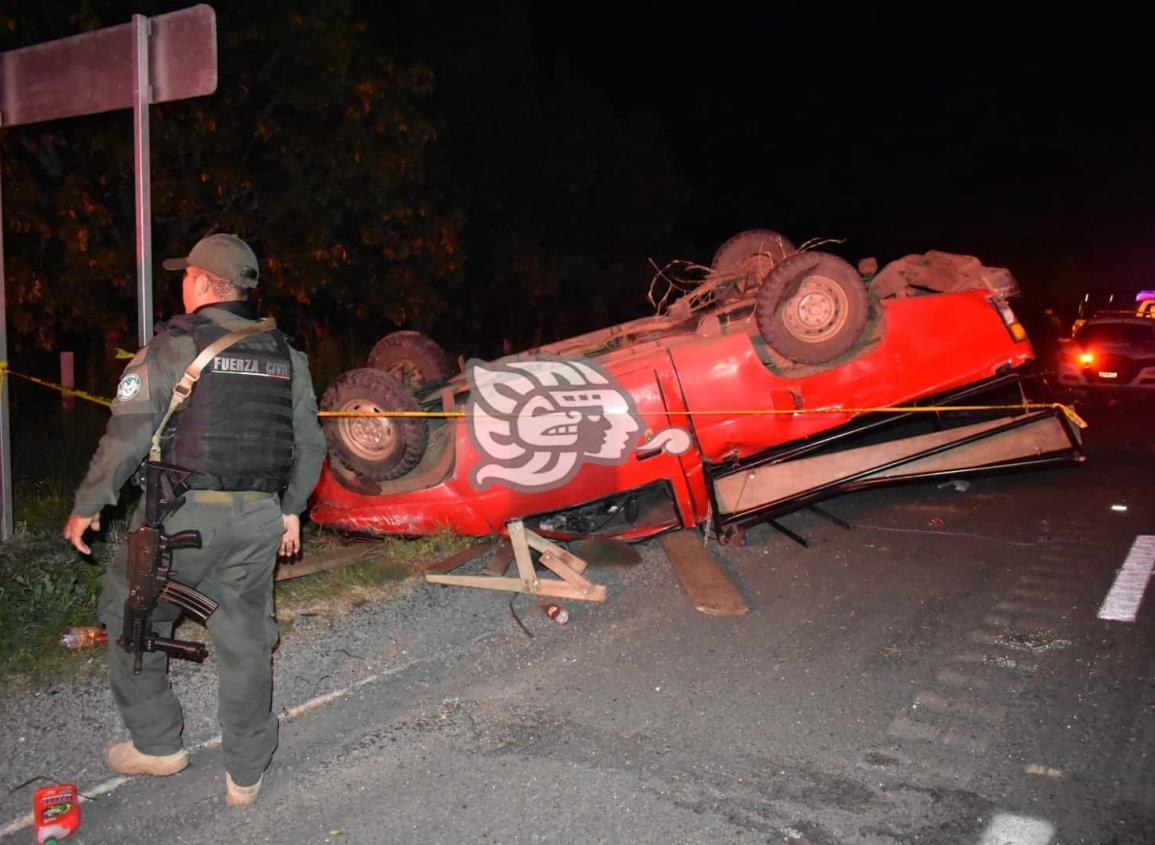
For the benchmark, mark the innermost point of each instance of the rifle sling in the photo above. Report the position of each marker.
(182, 389)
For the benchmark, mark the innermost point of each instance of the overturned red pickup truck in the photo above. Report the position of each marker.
(781, 378)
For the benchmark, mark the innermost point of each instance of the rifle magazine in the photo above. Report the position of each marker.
(192, 602)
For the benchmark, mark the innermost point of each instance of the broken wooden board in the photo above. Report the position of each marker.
(499, 564)
(571, 583)
(342, 555)
(709, 589)
(349, 553)
(451, 562)
(775, 483)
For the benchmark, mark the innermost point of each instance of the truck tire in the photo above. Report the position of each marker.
(757, 251)
(812, 307)
(414, 359)
(375, 448)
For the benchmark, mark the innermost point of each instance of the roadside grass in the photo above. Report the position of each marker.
(45, 588)
(386, 567)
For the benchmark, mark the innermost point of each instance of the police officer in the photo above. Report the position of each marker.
(250, 437)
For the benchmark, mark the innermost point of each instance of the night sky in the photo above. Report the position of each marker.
(1025, 138)
(1022, 135)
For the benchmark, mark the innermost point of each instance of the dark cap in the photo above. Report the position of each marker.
(222, 255)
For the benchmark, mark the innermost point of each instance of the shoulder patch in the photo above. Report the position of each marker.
(130, 387)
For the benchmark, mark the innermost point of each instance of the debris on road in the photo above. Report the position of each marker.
(709, 589)
(556, 612)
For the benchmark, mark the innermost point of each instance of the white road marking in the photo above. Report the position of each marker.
(214, 742)
(1122, 602)
(313, 704)
(18, 824)
(109, 785)
(1006, 829)
(88, 795)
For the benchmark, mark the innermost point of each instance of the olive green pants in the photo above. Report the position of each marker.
(234, 566)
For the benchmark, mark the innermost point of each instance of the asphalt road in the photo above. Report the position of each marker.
(936, 674)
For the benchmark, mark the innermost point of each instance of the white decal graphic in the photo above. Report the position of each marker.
(676, 441)
(129, 387)
(537, 422)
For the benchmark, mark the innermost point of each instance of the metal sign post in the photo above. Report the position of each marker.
(141, 91)
(5, 444)
(151, 60)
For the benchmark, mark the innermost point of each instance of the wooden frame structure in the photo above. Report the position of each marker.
(570, 584)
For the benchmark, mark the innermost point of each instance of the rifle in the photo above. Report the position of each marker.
(150, 571)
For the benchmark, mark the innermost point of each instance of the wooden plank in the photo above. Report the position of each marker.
(709, 589)
(502, 558)
(542, 545)
(1041, 437)
(485, 582)
(451, 562)
(572, 584)
(563, 569)
(562, 590)
(525, 567)
(546, 587)
(776, 482)
(355, 552)
(328, 559)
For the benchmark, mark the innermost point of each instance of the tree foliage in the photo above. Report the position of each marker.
(413, 165)
(314, 148)
(317, 149)
(564, 200)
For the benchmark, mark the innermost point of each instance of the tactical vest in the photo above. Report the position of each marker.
(235, 431)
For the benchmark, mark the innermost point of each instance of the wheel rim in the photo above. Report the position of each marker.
(368, 438)
(818, 311)
(407, 372)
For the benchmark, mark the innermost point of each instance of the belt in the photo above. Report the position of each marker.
(226, 497)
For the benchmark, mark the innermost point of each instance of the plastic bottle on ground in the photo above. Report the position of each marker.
(556, 612)
(75, 638)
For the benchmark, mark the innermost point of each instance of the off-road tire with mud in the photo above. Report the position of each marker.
(812, 307)
(376, 448)
(414, 359)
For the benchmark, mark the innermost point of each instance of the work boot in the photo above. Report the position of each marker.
(124, 758)
(241, 796)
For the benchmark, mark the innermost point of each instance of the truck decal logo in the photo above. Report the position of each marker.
(536, 423)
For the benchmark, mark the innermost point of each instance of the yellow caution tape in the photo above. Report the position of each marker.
(81, 394)
(1070, 414)
(1067, 410)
